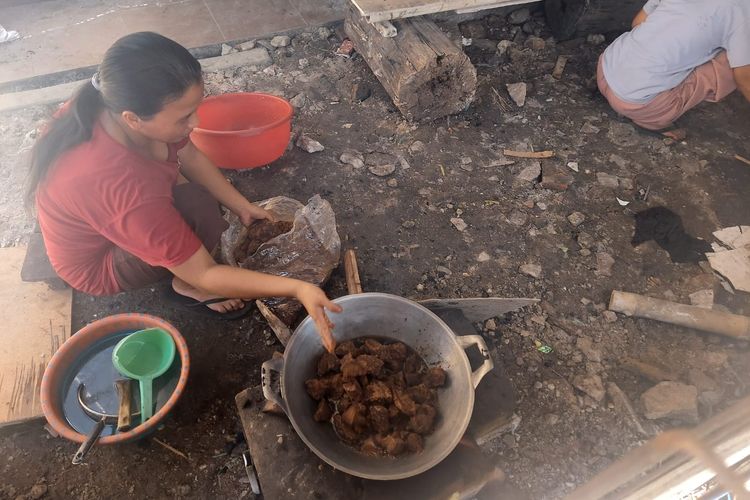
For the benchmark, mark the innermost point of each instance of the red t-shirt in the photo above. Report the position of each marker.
(101, 195)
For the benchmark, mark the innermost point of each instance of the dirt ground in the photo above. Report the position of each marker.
(401, 226)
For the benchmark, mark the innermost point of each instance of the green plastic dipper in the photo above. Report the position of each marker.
(144, 356)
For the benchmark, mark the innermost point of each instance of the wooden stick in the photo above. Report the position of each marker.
(557, 72)
(124, 410)
(742, 159)
(353, 283)
(171, 448)
(730, 325)
(282, 332)
(528, 154)
(651, 372)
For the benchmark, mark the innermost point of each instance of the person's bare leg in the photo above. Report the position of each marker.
(184, 288)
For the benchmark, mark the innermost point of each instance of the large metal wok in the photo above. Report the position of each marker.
(379, 315)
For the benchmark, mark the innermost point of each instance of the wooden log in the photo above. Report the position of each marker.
(719, 322)
(570, 18)
(425, 74)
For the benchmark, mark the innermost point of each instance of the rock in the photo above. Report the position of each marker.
(250, 44)
(416, 147)
(518, 218)
(619, 160)
(392, 183)
(530, 173)
(183, 490)
(626, 183)
(490, 325)
(474, 28)
(298, 101)
(576, 218)
(484, 44)
(361, 92)
(517, 92)
(591, 385)
(324, 33)
(623, 134)
(353, 158)
(585, 240)
(37, 491)
(609, 316)
(586, 346)
(703, 299)
(420, 287)
(381, 164)
(308, 144)
(280, 41)
(533, 270)
(226, 49)
(573, 165)
(604, 263)
(303, 63)
(555, 178)
(714, 360)
(595, 39)
(519, 16)
(509, 440)
(671, 400)
(254, 57)
(701, 381)
(551, 419)
(588, 128)
(483, 257)
(503, 46)
(408, 224)
(443, 271)
(529, 27)
(535, 43)
(607, 180)
(520, 361)
(459, 223)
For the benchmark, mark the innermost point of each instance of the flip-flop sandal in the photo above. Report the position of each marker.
(660, 133)
(200, 307)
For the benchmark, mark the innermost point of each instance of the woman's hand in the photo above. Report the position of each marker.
(252, 212)
(316, 302)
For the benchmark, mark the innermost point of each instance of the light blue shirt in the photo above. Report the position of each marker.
(676, 37)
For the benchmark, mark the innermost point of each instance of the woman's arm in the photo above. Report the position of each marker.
(202, 272)
(196, 167)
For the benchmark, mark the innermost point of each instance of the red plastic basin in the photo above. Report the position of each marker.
(243, 130)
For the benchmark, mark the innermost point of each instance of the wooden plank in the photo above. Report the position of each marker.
(36, 321)
(386, 10)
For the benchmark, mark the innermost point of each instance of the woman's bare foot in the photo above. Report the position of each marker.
(676, 134)
(188, 290)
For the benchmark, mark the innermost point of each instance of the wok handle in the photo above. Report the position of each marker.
(467, 341)
(271, 391)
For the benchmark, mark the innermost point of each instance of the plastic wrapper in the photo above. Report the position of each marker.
(309, 252)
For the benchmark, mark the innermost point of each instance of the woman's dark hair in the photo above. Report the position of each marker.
(140, 73)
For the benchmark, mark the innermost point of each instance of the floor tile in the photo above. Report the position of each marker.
(316, 12)
(189, 23)
(251, 18)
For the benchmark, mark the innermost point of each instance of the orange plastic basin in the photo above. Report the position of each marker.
(243, 130)
(78, 344)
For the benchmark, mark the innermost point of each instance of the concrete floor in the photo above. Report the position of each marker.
(60, 35)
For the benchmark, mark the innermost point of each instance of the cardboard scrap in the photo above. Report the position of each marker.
(733, 264)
